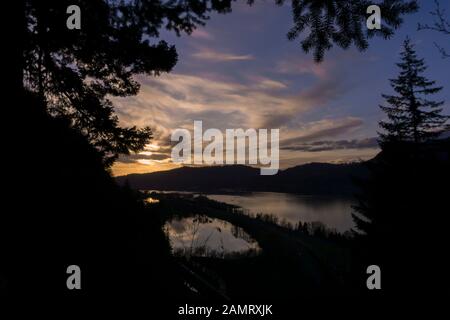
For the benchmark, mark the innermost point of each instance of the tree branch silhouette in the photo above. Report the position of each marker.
(440, 24)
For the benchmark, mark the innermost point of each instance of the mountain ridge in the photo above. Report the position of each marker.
(314, 178)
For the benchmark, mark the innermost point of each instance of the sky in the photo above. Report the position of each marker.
(241, 71)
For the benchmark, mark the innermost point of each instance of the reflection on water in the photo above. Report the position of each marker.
(203, 236)
(334, 212)
(151, 200)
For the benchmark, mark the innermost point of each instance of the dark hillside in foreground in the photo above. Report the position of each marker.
(313, 178)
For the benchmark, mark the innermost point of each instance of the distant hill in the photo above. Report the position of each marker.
(313, 178)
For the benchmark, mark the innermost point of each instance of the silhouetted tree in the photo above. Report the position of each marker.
(405, 186)
(411, 116)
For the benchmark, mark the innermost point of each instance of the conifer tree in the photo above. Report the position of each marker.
(411, 116)
(404, 185)
(411, 119)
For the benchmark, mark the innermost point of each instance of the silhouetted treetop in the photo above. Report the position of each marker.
(411, 116)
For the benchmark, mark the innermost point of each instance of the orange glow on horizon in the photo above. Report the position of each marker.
(121, 169)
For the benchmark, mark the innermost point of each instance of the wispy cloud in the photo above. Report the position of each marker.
(321, 129)
(295, 65)
(174, 100)
(268, 84)
(202, 34)
(328, 145)
(212, 55)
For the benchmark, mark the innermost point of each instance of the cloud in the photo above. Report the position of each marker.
(175, 100)
(209, 54)
(321, 83)
(202, 34)
(121, 168)
(321, 129)
(263, 83)
(138, 156)
(297, 66)
(220, 119)
(328, 145)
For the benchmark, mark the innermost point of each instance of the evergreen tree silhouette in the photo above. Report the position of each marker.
(405, 186)
(411, 116)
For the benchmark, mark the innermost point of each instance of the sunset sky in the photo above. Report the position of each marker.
(240, 71)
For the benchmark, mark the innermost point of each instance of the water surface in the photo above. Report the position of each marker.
(203, 236)
(334, 212)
